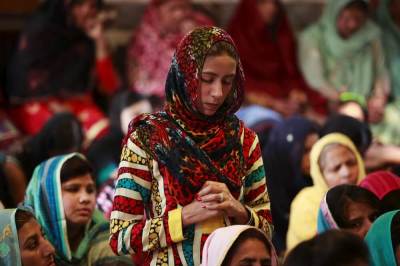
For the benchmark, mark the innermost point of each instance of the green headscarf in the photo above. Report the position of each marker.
(347, 63)
(391, 43)
(379, 241)
(44, 196)
(9, 245)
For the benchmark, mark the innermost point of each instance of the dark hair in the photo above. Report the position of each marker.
(221, 48)
(331, 248)
(395, 231)
(73, 167)
(359, 132)
(250, 233)
(340, 197)
(120, 101)
(391, 201)
(22, 217)
(358, 4)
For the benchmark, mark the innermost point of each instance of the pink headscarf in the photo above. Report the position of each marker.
(220, 242)
(152, 49)
(381, 183)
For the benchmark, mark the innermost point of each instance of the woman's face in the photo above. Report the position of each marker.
(268, 10)
(360, 217)
(173, 13)
(35, 249)
(305, 161)
(79, 198)
(349, 21)
(84, 12)
(338, 165)
(394, 9)
(251, 252)
(133, 111)
(216, 81)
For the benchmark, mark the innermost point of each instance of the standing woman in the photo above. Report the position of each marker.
(193, 167)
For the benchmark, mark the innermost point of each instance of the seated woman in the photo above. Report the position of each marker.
(342, 52)
(349, 208)
(266, 43)
(334, 160)
(383, 240)
(163, 25)
(287, 164)
(331, 248)
(238, 245)
(62, 193)
(381, 183)
(53, 67)
(22, 241)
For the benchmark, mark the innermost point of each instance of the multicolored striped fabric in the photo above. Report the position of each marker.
(168, 156)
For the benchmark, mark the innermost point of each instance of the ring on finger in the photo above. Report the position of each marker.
(221, 197)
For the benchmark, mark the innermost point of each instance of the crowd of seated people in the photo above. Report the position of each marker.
(238, 144)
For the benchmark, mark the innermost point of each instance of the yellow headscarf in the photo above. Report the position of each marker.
(318, 147)
(304, 208)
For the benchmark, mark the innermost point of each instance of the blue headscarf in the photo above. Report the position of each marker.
(9, 245)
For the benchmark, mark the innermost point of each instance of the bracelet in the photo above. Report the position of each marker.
(251, 219)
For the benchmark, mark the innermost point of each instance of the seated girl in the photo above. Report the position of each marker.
(383, 240)
(22, 241)
(62, 193)
(334, 160)
(238, 245)
(349, 208)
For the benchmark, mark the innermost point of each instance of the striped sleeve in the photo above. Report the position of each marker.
(256, 197)
(134, 228)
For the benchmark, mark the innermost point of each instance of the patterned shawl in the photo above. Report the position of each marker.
(379, 241)
(44, 195)
(9, 245)
(194, 147)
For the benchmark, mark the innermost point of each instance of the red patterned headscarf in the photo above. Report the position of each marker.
(192, 146)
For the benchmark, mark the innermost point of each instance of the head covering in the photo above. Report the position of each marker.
(357, 131)
(45, 197)
(152, 48)
(391, 44)
(350, 62)
(305, 206)
(333, 138)
(282, 158)
(9, 245)
(325, 218)
(221, 240)
(381, 183)
(379, 241)
(195, 147)
(63, 67)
